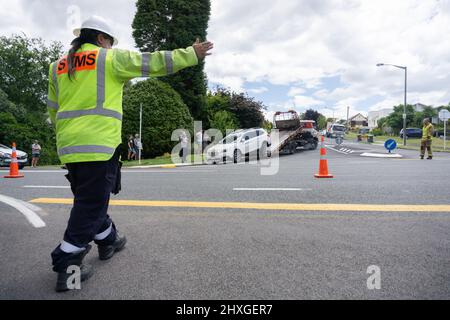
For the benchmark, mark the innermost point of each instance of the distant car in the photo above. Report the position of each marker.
(238, 144)
(440, 133)
(412, 133)
(6, 154)
(364, 130)
(336, 130)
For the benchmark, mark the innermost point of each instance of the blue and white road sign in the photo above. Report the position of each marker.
(390, 144)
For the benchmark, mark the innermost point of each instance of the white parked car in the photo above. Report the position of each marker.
(6, 154)
(240, 143)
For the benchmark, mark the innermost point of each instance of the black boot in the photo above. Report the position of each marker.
(429, 158)
(110, 245)
(62, 261)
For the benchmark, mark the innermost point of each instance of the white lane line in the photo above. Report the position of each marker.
(123, 171)
(38, 171)
(271, 189)
(31, 216)
(48, 187)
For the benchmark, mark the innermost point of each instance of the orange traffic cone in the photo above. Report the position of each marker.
(14, 166)
(323, 166)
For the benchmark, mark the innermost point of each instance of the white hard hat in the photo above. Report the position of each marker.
(96, 23)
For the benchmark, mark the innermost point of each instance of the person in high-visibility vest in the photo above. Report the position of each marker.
(85, 104)
(427, 138)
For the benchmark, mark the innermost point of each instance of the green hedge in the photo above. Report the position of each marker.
(163, 112)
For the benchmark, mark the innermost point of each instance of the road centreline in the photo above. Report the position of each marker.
(265, 206)
(25, 209)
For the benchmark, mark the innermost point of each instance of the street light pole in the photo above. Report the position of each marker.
(404, 105)
(404, 108)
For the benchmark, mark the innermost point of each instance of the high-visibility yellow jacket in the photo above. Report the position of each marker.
(427, 132)
(87, 110)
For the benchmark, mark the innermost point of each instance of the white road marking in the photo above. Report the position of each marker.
(48, 187)
(336, 150)
(271, 189)
(381, 155)
(31, 216)
(123, 171)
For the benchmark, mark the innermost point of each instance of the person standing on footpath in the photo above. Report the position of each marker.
(35, 153)
(85, 104)
(131, 153)
(427, 138)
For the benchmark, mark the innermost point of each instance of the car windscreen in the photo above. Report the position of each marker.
(338, 128)
(228, 139)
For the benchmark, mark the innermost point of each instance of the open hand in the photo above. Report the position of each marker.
(202, 48)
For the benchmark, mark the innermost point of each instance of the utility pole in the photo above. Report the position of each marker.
(348, 110)
(140, 133)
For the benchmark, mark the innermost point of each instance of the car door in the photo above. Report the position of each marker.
(254, 140)
(246, 142)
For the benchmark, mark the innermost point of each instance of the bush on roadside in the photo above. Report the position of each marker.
(163, 111)
(377, 132)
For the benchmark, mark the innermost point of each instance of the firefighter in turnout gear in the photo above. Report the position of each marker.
(427, 136)
(85, 104)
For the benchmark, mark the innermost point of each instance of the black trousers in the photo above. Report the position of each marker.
(91, 184)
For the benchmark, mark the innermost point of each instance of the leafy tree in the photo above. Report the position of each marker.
(223, 121)
(321, 122)
(247, 112)
(395, 119)
(172, 24)
(427, 112)
(268, 125)
(24, 64)
(163, 111)
(311, 114)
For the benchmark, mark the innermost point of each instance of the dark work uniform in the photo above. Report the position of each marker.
(91, 184)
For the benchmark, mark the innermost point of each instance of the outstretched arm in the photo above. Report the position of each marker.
(128, 64)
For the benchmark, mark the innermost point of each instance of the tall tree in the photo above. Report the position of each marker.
(172, 24)
(24, 66)
(247, 112)
(311, 114)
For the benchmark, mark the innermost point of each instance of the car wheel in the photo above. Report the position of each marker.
(21, 167)
(314, 145)
(292, 148)
(237, 156)
(262, 152)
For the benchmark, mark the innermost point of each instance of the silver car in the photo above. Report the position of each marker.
(6, 154)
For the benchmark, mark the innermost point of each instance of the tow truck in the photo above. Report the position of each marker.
(294, 133)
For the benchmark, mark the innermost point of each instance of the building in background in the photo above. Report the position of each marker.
(374, 116)
(358, 121)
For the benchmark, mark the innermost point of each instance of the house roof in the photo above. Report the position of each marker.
(362, 118)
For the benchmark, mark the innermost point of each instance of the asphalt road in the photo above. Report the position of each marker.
(182, 247)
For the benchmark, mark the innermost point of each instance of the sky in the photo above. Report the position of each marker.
(291, 54)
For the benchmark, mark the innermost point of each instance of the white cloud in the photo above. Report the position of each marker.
(258, 90)
(296, 91)
(295, 43)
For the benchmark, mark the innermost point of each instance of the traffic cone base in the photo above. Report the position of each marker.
(12, 177)
(328, 176)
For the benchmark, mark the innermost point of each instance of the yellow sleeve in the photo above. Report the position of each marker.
(129, 64)
(52, 97)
